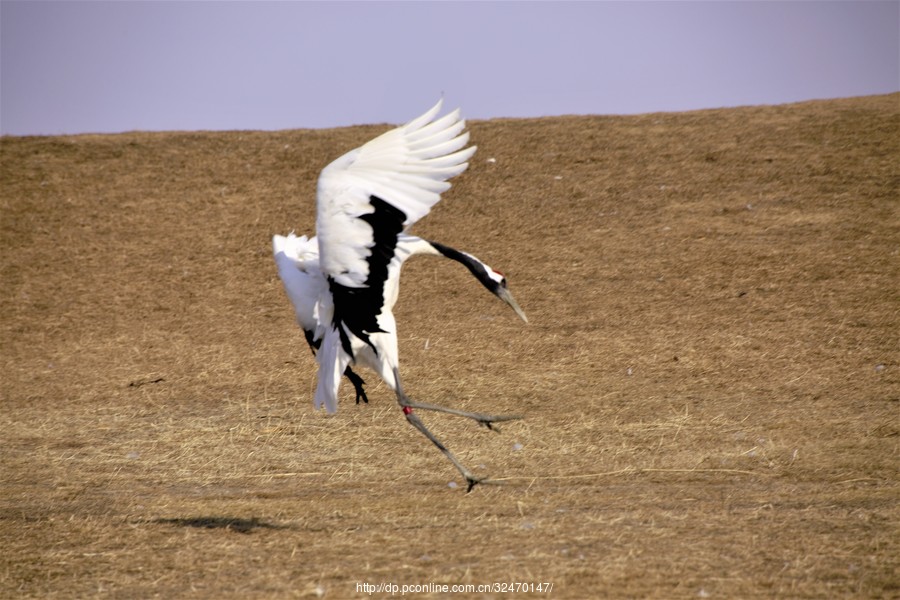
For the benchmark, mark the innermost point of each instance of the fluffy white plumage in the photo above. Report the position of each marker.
(297, 259)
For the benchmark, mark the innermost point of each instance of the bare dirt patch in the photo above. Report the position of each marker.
(710, 378)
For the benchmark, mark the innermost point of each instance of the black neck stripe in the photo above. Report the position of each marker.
(475, 266)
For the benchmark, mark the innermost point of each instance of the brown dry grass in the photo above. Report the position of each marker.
(711, 377)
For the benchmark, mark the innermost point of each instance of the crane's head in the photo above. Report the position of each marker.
(496, 283)
(490, 278)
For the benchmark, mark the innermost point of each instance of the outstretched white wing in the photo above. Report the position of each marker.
(369, 196)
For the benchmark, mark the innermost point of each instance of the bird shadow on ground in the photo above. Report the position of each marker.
(230, 523)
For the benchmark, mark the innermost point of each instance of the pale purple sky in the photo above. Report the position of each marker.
(74, 67)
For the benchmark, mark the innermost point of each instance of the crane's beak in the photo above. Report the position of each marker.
(505, 295)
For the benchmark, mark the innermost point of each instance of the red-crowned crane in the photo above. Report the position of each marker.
(344, 283)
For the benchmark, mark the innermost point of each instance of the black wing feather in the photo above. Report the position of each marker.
(357, 309)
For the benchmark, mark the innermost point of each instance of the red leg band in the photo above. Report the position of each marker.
(407, 410)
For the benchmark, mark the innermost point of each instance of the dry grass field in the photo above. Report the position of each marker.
(710, 378)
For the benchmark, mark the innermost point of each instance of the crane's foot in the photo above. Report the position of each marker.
(358, 384)
(472, 481)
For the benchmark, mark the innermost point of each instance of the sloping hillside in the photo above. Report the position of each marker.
(710, 377)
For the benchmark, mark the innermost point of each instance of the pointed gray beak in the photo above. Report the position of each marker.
(507, 297)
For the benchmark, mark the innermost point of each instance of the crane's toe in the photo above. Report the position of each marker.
(490, 421)
(361, 393)
(472, 480)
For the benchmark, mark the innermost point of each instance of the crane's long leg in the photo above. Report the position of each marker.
(414, 420)
(486, 420)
